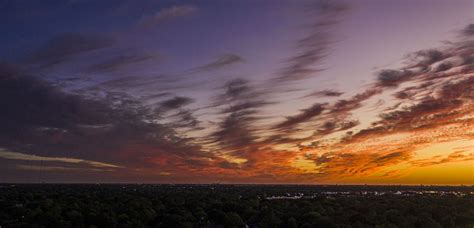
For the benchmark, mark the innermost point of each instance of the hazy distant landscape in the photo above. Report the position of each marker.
(147, 205)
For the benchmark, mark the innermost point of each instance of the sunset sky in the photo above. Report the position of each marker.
(311, 92)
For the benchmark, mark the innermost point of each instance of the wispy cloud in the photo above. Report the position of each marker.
(167, 14)
(28, 157)
(121, 61)
(325, 93)
(220, 62)
(468, 30)
(175, 103)
(304, 116)
(313, 47)
(457, 156)
(65, 46)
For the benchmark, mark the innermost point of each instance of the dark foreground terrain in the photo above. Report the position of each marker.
(234, 206)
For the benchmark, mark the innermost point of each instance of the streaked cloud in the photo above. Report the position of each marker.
(167, 14)
(220, 62)
(28, 157)
(65, 46)
(44, 168)
(468, 30)
(175, 103)
(315, 46)
(304, 116)
(115, 63)
(325, 93)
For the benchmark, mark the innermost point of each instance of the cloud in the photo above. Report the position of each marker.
(236, 133)
(325, 93)
(468, 30)
(390, 78)
(433, 110)
(334, 126)
(143, 124)
(315, 46)
(167, 14)
(221, 62)
(48, 122)
(437, 106)
(430, 113)
(304, 116)
(27, 157)
(121, 61)
(425, 58)
(38, 104)
(236, 89)
(411, 91)
(342, 107)
(65, 46)
(187, 119)
(44, 168)
(355, 164)
(387, 157)
(457, 156)
(175, 103)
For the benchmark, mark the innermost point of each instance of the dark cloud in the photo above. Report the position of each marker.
(349, 164)
(456, 90)
(402, 95)
(468, 30)
(444, 67)
(408, 117)
(121, 61)
(239, 95)
(392, 78)
(325, 93)
(304, 116)
(228, 165)
(37, 104)
(411, 91)
(347, 105)
(235, 131)
(334, 126)
(419, 112)
(425, 58)
(235, 89)
(221, 62)
(434, 102)
(240, 104)
(387, 157)
(175, 103)
(186, 119)
(116, 129)
(282, 139)
(428, 113)
(315, 45)
(64, 46)
(431, 103)
(327, 127)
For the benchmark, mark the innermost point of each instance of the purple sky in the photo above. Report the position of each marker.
(207, 90)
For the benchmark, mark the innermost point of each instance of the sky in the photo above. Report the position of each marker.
(307, 92)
